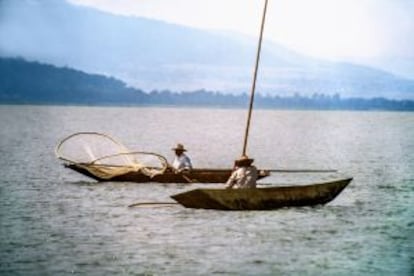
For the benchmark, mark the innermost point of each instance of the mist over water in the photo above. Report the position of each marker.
(56, 222)
(149, 54)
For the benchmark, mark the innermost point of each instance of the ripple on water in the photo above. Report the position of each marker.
(55, 222)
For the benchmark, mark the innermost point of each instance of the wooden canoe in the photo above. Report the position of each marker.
(262, 198)
(193, 176)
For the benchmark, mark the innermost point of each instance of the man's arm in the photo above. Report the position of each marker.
(232, 180)
(186, 163)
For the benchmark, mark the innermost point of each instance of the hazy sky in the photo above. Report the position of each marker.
(333, 29)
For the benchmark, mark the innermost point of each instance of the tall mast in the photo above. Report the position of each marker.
(259, 47)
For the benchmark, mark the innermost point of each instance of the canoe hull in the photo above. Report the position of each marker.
(193, 176)
(262, 198)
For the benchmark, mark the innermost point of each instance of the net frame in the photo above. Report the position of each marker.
(98, 167)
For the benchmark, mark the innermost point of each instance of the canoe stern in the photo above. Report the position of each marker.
(262, 198)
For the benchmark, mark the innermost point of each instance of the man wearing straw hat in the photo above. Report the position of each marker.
(244, 174)
(181, 161)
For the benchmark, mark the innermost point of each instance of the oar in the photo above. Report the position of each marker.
(189, 180)
(300, 171)
(151, 203)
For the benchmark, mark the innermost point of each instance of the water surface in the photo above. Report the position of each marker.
(56, 222)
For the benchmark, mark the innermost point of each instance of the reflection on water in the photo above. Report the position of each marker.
(54, 221)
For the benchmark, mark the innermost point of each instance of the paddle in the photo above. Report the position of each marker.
(300, 171)
(189, 180)
(151, 203)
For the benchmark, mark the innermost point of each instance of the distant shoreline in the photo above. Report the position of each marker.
(32, 83)
(200, 106)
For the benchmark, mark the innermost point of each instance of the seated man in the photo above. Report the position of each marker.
(181, 161)
(244, 174)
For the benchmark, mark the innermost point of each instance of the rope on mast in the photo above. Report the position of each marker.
(249, 115)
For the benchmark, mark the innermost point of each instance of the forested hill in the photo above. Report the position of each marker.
(151, 54)
(32, 82)
(23, 82)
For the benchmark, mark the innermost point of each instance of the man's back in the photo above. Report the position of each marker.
(182, 162)
(243, 177)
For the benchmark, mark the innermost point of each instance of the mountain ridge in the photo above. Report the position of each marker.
(24, 82)
(154, 55)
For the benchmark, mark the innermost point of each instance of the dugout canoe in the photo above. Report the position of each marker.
(262, 198)
(197, 175)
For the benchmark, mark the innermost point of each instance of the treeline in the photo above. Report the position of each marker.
(23, 82)
(335, 102)
(297, 101)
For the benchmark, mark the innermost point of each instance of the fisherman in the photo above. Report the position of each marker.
(181, 161)
(244, 174)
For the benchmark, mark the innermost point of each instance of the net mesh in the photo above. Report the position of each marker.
(105, 157)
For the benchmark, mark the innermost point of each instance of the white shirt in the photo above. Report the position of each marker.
(243, 177)
(182, 162)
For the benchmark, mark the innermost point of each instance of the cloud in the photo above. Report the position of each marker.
(324, 28)
(366, 31)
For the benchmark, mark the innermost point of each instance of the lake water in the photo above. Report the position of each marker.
(56, 222)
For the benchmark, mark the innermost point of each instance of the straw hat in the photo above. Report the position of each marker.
(179, 147)
(244, 160)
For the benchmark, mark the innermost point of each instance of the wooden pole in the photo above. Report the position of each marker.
(151, 203)
(299, 171)
(249, 115)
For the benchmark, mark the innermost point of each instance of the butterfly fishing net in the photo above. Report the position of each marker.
(104, 157)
